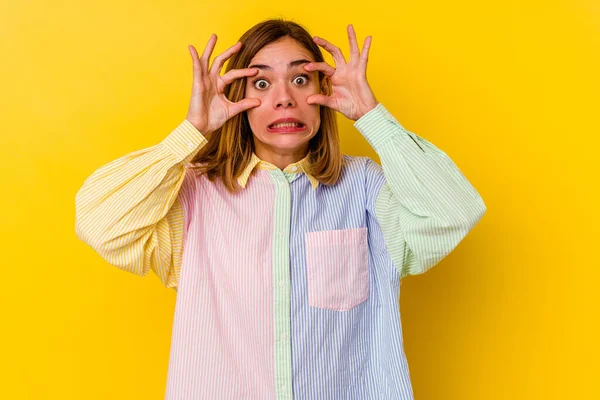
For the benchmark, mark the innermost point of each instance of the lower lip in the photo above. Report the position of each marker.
(287, 129)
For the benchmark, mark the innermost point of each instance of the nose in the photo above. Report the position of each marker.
(284, 98)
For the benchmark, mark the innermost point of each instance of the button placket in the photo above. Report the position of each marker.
(281, 278)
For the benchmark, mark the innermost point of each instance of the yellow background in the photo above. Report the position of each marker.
(508, 89)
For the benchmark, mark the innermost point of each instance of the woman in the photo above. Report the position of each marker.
(287, 255)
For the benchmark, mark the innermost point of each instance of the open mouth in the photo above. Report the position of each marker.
(287, 127)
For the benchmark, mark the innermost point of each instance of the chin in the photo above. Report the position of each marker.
(288, 141)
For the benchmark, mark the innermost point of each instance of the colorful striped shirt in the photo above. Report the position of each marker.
(288, 289)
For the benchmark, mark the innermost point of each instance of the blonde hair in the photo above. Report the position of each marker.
(229, 148)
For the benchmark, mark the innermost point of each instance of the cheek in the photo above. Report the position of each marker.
(256, 117)
(314, 112)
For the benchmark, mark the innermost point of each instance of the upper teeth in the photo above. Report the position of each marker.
(286, 124)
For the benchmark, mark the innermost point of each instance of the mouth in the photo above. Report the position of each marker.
(287, 127)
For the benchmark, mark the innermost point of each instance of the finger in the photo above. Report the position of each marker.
(320, 99)
(208, 51)
(320, 66)
(243, 105)
(354, 52)
(195, 63)
(220, 60)
(333, 50)
(364, 57)
(234, 74)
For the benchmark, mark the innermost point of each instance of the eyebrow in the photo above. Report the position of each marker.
(290, 65)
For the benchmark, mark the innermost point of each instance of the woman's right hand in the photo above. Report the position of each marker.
(209, 108)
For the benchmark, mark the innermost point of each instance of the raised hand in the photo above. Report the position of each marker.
(351, 94)
(209, 108)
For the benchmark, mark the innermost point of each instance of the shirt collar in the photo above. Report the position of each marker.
(255, 162)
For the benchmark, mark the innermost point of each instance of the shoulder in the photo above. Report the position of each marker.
(362, 165)
(367, 173)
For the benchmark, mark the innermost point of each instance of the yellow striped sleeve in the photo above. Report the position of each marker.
(129, 212)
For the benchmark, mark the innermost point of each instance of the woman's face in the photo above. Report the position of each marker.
(282, 85)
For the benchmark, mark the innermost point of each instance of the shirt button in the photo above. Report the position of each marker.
(191, 146)
(283, 392)
(282, 283)
(294, 168)
(281, 233)
(282, 337)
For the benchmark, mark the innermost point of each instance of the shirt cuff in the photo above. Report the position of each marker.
(378, 126)
(185, 141)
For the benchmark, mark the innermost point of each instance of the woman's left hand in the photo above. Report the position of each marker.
(351, 94)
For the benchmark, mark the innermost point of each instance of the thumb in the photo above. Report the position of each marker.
(320, 99)
(244, 105)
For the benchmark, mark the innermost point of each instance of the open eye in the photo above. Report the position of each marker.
(254, 82)
(302, 77)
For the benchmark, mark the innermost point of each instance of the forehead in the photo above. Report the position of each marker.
(279, 54)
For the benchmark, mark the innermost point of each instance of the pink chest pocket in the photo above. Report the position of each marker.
(337, 263)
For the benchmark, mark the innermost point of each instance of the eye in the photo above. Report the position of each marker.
(302, 77)
(258, 80)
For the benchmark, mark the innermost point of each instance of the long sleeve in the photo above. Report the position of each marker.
(130, 212)
(426, 205)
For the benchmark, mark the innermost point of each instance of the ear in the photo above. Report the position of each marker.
(324, 85)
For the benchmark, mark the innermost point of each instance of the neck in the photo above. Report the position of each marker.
(281, 159)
